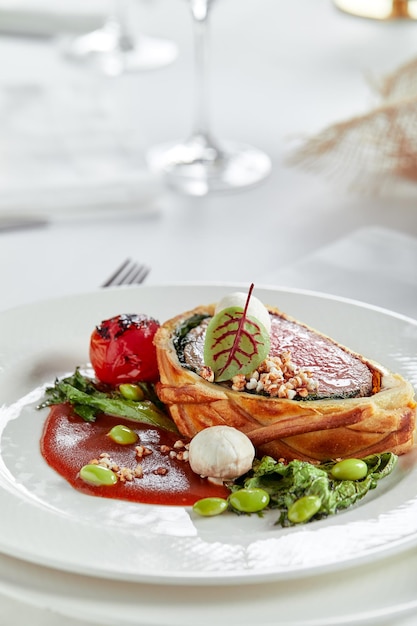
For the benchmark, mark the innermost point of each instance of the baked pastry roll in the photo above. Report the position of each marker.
(328, 402)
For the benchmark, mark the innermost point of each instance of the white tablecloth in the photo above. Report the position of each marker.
(72, 146)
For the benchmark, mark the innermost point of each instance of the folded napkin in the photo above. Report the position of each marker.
(66, 152)
(49, 17)
(374, 265)
(37, 206)
(73, 177)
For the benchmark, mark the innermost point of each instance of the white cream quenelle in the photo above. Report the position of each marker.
(255, 309)
(221, 452)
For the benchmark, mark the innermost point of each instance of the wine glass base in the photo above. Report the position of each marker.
(379, 9)
(104, 52)
(233, 167)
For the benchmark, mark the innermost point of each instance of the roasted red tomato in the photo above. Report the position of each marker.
(122, 350)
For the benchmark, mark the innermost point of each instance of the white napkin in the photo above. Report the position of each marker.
(374, 265)
(68, 148)
(76, 176)
(49, 17)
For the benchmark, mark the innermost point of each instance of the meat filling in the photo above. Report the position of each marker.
(338, 373)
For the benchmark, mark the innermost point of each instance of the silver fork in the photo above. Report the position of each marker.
(129, 273)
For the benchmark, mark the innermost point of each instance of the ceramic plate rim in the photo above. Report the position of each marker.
(201, 577)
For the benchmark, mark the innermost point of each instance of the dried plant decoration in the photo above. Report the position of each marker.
(368, 151)
(400, 84)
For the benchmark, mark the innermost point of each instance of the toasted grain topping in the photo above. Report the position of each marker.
(182, 455)
(178, 451)
(142, 451)
(125, 474)
(104, 460)
(207, 373)
(161, 471)
(277, 377)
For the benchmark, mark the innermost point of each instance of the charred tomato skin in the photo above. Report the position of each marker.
(122, 350)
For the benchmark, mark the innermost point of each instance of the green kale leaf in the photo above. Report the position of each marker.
(88, 399)
(286, 483)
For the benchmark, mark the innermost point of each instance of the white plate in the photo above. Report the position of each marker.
(377, 594)
(45, 521)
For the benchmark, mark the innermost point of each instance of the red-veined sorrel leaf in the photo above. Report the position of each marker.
(235, 343)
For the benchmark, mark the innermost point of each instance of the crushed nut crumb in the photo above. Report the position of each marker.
(142, 451)
(125, 474)
(161, 471)
(183, 455)
(207, 373)
(277, 377)
(104, 460)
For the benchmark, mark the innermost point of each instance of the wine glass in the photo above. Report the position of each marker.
(113, 50)
(379, 9)
(200, 165)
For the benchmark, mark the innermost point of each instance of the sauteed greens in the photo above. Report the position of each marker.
(289, 484)
(300, 490)
(90, 398)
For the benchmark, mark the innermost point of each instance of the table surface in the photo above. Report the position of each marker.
(74, 145)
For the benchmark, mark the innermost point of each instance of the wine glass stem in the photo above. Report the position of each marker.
(118, 20)
(400, 8)
(200, 13)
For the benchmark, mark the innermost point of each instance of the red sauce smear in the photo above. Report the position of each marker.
(68, 443)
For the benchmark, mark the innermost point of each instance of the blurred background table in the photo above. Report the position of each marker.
(73, 145)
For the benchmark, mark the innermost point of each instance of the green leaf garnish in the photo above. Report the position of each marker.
(88, 400)
(235, 343)
(287, 483)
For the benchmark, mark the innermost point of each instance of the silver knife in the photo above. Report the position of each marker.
(21, 223)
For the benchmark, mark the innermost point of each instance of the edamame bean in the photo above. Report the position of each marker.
(208, 507)
(123, 435)
(97, 475)
(303, 509)
(131, 392)
(350, 469)
(249, 500)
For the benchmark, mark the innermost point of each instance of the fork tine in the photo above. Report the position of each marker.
(140, 275)
(128, 273)
(116, 274)
(128, 277)
(135, 274)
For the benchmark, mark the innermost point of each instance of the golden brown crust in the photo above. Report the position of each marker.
(313, 430)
